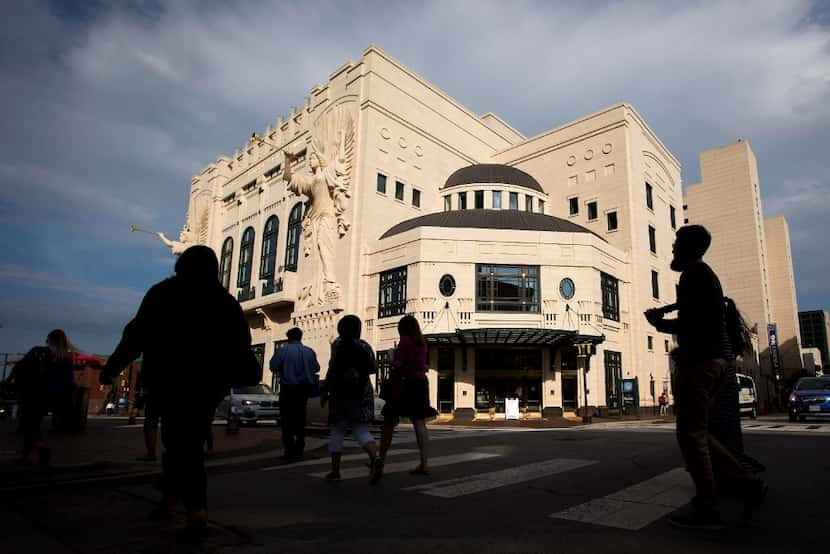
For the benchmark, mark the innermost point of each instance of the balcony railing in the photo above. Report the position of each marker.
(270, 287)
(247, 293)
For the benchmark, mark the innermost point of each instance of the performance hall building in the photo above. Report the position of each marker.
(383, 196)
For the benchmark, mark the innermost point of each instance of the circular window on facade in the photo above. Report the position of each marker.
(447, 285)
(567, 288)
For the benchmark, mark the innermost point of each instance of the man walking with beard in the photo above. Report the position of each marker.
(701, 360)
(195, 344)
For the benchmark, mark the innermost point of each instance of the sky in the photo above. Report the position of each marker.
(108, 109)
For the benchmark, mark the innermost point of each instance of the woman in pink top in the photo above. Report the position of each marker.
(407, 391)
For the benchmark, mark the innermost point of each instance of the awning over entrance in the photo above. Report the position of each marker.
(513, 337)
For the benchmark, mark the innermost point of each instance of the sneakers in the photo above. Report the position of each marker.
(377, 471)
(708, 520)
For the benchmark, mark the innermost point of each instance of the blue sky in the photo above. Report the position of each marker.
(108, 110)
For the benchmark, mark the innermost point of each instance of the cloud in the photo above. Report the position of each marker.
(110, 109)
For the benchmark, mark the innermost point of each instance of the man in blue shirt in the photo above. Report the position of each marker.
(299, 373)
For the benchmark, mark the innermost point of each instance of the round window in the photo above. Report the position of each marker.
(567, 288)
(447, 285)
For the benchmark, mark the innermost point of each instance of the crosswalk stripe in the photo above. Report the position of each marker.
(463, 486)
(326, 460)
(635, 507)
(398, 467)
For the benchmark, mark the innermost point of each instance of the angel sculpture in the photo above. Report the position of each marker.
(186, 240)
(328, 190)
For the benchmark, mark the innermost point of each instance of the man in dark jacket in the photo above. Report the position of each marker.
(195, 344)
(701, 359)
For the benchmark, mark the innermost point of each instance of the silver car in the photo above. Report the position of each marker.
(250, 404)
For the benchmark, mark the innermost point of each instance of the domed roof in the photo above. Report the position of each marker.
(489, 219)
(492, 173)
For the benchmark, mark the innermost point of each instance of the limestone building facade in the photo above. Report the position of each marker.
(382, 196)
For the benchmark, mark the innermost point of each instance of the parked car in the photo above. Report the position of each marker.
(250, 404)
(810, 397)
(747, 396)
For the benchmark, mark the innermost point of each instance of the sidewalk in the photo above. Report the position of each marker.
(109, 447)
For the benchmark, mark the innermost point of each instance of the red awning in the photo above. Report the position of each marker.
(82, 360)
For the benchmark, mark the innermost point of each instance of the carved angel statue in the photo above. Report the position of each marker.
(186, 240)
(328, 188)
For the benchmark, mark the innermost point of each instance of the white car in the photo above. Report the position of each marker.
(250, 404)
(747, 396)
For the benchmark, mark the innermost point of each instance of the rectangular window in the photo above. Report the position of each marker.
(673, 217)
(652, 239)
(528, 203)
(613, 378)
(666, 345)
(655, 284)
(416, 198)
(507, 288)
(612, 221)
(592, 211)
(514, 200)
(381, 183)
(462, 200)
(447, 203)
(573, 205)
(496, 199)
(650, 343)
(649, 196)
(399, 190)
(541, 206)
(610, 297)
(392, 292)
(479, 199)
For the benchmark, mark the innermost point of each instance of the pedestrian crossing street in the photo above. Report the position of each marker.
(631, 508)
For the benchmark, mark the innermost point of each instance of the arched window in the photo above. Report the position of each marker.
(225, 263)
(246, 255)
(268, 260)
(292, 245)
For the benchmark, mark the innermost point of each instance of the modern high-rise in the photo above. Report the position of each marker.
(783, 296)
(752, 257)
(727, 201)
(815, 331)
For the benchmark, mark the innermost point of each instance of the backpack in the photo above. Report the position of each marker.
(351, 363)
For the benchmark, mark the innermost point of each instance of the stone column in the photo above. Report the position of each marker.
(464, 384)
(551, 386)
(432, 375)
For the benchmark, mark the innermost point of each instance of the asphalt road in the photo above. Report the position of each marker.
(581, 490)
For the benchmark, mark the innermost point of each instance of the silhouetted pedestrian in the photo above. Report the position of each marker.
(44, 381)
(408, 391)
(702, 357)
(349, 394)
(146, 403)
(299, 374)
(196, 345)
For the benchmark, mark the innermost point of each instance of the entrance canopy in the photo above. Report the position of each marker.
(512, 337)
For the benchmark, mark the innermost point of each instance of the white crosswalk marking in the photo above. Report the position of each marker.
(462, 486)
(327, 459)
(635, 507)
(398, 467)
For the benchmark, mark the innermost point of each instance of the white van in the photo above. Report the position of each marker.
(747, 396)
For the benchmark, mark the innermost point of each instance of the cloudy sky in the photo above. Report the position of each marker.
(109, 109)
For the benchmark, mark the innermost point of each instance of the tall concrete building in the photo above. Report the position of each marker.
(727, 201)
(783, 296)
(383, 196)
(815, 332)
(751, 255)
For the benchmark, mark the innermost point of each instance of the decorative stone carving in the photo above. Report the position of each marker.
(402, 142)
(571, 160)
(328, 188)
(606, 148)
(589, 154)
(385, 133)
(419, 151)
(186, 240)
